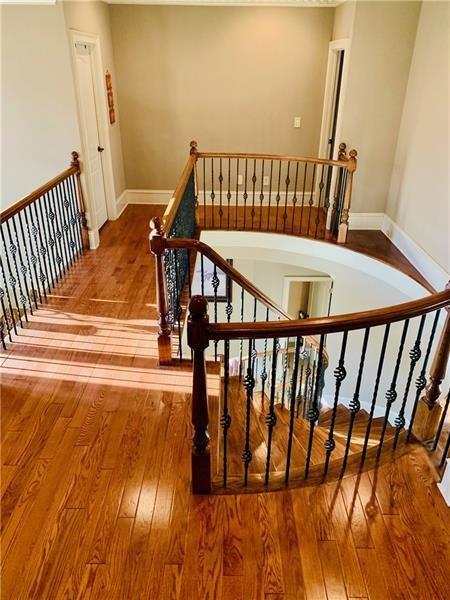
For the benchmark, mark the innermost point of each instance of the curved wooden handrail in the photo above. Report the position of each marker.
(282, 157)
(323, 325)
(40, 191)
(172, 207)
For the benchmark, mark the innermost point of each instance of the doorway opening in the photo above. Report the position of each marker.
(306, 296)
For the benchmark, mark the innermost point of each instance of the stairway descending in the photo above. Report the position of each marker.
(259, 434)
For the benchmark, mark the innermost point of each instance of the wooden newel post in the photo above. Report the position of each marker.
(75, 162)
(198, 341)
(157, 248)
(343, 225)
(429, 409)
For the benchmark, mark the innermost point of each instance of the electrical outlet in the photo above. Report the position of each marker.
(297, 122)
(240, 180)
(266, 180)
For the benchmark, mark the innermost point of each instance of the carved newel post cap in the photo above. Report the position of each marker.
(156, 226)
(342, 146)
(193, 146)
(75, 162)
(353, 153)
(198, 307)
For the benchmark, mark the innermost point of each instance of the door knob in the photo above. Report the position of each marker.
(100, 149)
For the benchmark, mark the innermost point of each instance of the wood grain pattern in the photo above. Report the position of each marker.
(83, 400)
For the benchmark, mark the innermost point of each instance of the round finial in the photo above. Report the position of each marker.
(156, 225)
(75, 162)
(342, 146)
(193, 149)
(353, 154)
(198, 307)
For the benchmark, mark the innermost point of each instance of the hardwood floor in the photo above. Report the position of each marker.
(96, 498)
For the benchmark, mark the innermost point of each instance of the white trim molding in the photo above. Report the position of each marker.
(424, 263)
(366, 220)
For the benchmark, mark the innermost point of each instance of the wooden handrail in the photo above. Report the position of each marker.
(172, 207)
(40, 191)
(324, 325)
(282, 157)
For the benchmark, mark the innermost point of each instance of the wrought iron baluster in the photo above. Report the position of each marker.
(278, 197)
(33, 258)
(241, 341)
(249, 384)
(340, 374)
(421, 381)
(375, 391)
(61, 257)
(311, 199)
(5, 313)
(294, 199)
(76, 214)
(355, 404)
(287, 182)
(253, 192)
(261, 195)
(40, 251)
(14, 249)
(271, 417)
(62, 226)
(215, 284)
(2, 334)
(313, 412)
(8, 297)
(264, 367)
(45, 246)
(327, 196)
(303, 198)
(414, 355)
(70, 219)
(245, 195)
(29, 266)
(225, 420)
(441, 423)
(25, 269)
(285, 370)
(308, 372)
(10, 282)
(303, 356)
(237, 194)
(177, 308)
(298, 345)
(391, 394)
(204, 193)
(220, 193)
(321, 186)
(51, 239)
(202, 271)
(229, 193)
(270, 194)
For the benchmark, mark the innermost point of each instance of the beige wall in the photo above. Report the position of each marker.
(419, 199)
(381, 50)
(39, 119)
(232, 78)
(344, 17)
(94, 17)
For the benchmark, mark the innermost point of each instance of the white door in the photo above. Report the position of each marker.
(92, 143)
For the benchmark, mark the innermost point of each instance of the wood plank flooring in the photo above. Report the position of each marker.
(96, 498)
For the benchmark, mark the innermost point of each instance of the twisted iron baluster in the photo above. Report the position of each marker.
(225, 420)
(75, 232)
(77, 213)
(313, 412)
(327, 196)
(220, 193)
(237, 194)
(287, 182)
(271, 417)
(44, 247)
(303, 356)
(298, 345)
(34, 259)
(261, 196)
(11, 280)
(215, 284)
(204, 193)
(253, 192)
(270, 193)
(391, 394)
(213, 195)
(14, 248)
(245, 195)
(294, 199)
(4, 310)
(8, 297)
(51, 238)
(285, 369)
(25, 247)
(421, 381)
(62, 226)
(303, 199)
(414, 355)
(249, 384)
(278, 197)
(39, 227)
(308, 372)
(355, 404)
(340, 374)
(64, 223)
(321, 186)
(375, 391)
(311, 200)
(264, 368)
(229, 193)
(60, 248)
(241, 341)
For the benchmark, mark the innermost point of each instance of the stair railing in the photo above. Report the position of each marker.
(42, 236)
(381, 338)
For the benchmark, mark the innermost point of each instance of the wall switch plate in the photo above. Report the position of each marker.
(266, 180)
(240, 180)
(297, 122)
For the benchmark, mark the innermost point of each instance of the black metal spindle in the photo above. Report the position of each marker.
(228, 193)
(327, 196)
(245, 195)
(319, 203)
(249, 384)
(355, 404)
(278, 197)
(215, 285)
(29, 264)
(220, 192)
(391, 394)
(311, 197)
(303, 198)
(264, 367)
(14, 249)
(63, 223)
(271, 417)
(44, 243)
(414, 355)
(212, 194)
(60, 248)
(375, 391)
(254, 179)
(62, 226)
(51, 240)
(41, 250)
(303, 356)
(261, 195)
(10, 282)
(287, 182)
(285, 370)
(71, 221)
(33, 258)
(313, 412)
(8, 298)
(24, 268)
(225, 420)
(237, 194)
(298, 345)
(2, 335)
(294, 198)
(270, 194)
(5, 317)
(308, 372)
(421, 381)
(75, 215)
(441, 423)
(241, 342)
(340, 374)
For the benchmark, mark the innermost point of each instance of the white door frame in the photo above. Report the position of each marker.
(288, 279)
(92, 39)
(327, 113)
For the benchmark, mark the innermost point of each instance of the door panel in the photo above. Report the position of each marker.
(92, 158)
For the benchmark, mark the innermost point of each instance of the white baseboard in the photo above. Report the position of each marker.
(121, 203)
(423, 262)
(141, 197)
(366, 220)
